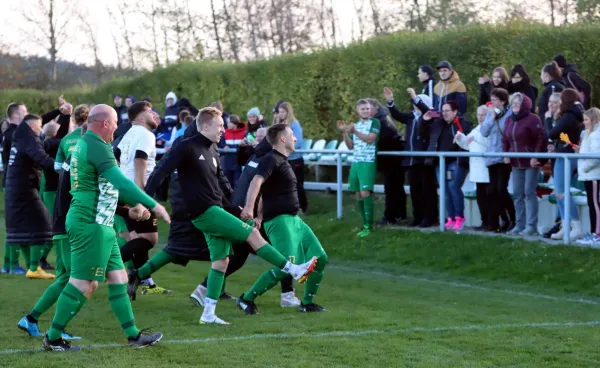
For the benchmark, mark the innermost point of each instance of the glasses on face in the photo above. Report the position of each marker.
(494, 99)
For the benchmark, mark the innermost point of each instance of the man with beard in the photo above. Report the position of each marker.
(137, 156)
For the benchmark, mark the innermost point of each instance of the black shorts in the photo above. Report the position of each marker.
(143, 227)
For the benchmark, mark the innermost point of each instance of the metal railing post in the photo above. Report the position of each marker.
(442, 185)
(340, 193)
(567, 199)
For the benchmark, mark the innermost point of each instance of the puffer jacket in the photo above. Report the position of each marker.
(493, 129)
(451, 90)
(524, 132)
(570, 123)
(589, 168)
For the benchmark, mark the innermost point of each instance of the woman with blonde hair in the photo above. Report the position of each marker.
(588, 170)
(285, 115)
(499, 80)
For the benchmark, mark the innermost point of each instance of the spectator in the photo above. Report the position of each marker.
(521, 82)
(391, 166)
(234, 135)
(421, 178)
(129, 100)
(524, 133)
(120, 109)
(553, 82)
(573, 80)
(255, 122)
(450, 88)
(588, 171)
(549, 123)
(276, 111)
(249, 149)
(184, 103)
(499, 80)
(426, 77)
(476, 142)
(285, 115)
(172, 108)
(493, 128)
(570, 122)
(182, 123)
(441, 133)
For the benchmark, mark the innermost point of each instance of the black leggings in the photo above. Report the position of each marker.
(501, 204)
(593, 199)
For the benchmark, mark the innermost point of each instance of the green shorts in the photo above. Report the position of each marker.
(120, 225)
(62, 247)
(49, 198)
(220, 228)
(362, 176)
(94, 251)
(293, 238)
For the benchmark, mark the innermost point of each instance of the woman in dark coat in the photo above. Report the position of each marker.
(521, 82)
(27, 219)
(553, 82)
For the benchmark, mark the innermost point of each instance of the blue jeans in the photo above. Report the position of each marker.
(455, 199)
(526, 202)
(559, 189)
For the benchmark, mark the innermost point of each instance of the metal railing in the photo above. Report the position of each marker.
(566, 218)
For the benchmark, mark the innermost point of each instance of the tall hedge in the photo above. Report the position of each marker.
(324, 86)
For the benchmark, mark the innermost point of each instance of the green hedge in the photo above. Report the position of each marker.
(324, 86)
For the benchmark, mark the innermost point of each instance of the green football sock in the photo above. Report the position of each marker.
(215, 284)
(271, 255)
(34, 256)
(6, 256)
(368, 212)
(26, 252)
(69, 303)
(49, 297)
(266, 281)
(14, 251)
(314, 281)
(155, 263)
(121, 307)
(361, 210)
(46, 250)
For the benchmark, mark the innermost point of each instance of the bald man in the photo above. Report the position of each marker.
(97, 185)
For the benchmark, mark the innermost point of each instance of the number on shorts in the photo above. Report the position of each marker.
(292, 259)
(98, 271)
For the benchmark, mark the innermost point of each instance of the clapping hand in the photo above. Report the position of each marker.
(341, 125)
(412, 93)
(389, 95)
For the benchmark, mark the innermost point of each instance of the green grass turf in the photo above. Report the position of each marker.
(397, 298)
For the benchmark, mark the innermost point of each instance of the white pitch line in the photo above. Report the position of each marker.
(340, 334)
(467, 286)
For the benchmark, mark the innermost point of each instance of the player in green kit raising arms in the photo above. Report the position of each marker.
(97, 184)
(362, 138)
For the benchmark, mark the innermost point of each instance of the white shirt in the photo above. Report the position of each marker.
(138, 138)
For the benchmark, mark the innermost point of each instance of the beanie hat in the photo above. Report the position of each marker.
(427, 69)
(254, 111)
(561, 60)
(131, 98)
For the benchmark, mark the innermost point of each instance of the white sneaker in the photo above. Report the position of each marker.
(300, 272)
(198, 296)
(289, 300)
(212, 320)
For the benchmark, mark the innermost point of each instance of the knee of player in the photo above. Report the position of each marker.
(365, 194)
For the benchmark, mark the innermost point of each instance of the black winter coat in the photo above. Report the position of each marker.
(389, 140)
(555, 85)
(485, 91)
(27, 219)
(414, 140)
(571, 123)
(573, 80)
(525, 88)
(441, 137)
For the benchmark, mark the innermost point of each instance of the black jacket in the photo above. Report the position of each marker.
(485, 92)
(441, 137)
(555, 85)
(119, 134)
(573, 80)
(414, 141)
(241, 189)
(27, 219)
(526, 88)
(389, 140)
(428, 87)
(197, 163)
(571, 123)
(121, 110)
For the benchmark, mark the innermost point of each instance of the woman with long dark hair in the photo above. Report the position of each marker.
(521, 82)
(553, 82)
(499, 80)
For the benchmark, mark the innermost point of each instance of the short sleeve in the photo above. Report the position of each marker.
(266, 167)
(100, 156)
(146, 144)
(375, 126)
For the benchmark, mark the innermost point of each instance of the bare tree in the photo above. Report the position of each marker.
(251, 20)
(47, 26)
(375, 14)
(231, 28)
(333, 26)
(215, 24)
(115, 38)
(359, 6)
(198, 52)
(274, 14)
(166, 40)
(92, 40)
(154, 19)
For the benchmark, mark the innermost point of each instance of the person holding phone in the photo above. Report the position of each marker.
(442, 138)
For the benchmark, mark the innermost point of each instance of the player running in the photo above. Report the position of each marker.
(197, 163)
(362, 138)
(97, 184)
(137, 157)
(286, 230)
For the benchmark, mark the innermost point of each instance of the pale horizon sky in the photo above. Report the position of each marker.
(17, 38)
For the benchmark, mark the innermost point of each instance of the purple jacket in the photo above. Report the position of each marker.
(523, 132)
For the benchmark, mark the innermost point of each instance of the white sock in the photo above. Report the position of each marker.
(209, 307)
(148, 282)
(287, 267)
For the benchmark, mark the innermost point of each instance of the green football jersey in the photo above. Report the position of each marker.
(66, 146)
(94, 198)
(363, 151)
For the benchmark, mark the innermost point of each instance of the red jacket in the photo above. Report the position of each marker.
(523, 133)
(233, 138)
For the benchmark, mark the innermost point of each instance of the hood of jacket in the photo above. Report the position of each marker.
(525, 109)
(577, 110)
(173, 96)
(570, 68)
(453, 84)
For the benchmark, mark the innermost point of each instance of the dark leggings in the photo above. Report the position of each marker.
(501, 205)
